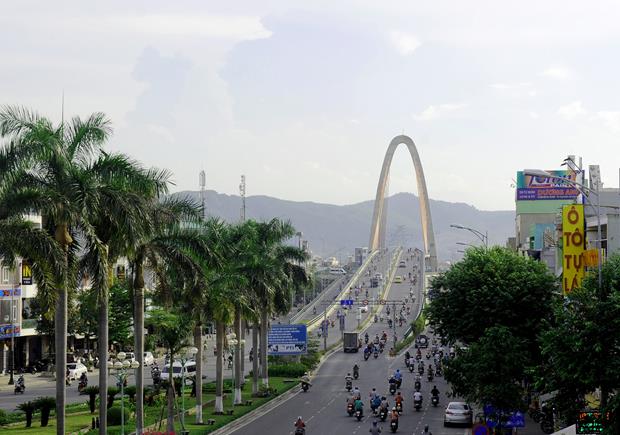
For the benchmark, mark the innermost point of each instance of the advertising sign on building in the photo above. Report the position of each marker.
(26, 273)
(287, 340)
(573, 240)
(8, 331)
(533, 188)
(10, 292)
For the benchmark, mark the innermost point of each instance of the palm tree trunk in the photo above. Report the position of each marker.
(139, 343)
(198, 345)
(64, 239)
(263, 347)
(171, 393)
(238, 357)
(219, 372)
(103, 358)
(60, 345)
(243, 326)
(255, 357)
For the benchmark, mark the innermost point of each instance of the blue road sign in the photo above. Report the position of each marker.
(346, 302)
(287, 340)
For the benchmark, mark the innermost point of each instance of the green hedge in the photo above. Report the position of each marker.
(114, 416)
(293, 370)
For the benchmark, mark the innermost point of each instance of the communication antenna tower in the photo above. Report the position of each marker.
(242, 193)
(202, 181)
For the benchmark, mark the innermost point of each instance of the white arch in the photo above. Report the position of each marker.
(378, 218)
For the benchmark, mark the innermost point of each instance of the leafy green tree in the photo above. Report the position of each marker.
(581, 346)
(496, 302)
(173, 329)
(491, 370)
(120, 319)
(492, 287)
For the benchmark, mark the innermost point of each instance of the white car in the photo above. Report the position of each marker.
(76, 370)
(149, 359)
(190, 370)
(458, 413)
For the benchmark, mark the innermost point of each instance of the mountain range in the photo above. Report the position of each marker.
(335, 230)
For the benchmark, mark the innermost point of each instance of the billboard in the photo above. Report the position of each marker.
(573, 245)
(287, 340)
(533, 188)
(8, 331)
(26, 273)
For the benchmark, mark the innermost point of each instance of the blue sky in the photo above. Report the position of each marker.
(303, 97)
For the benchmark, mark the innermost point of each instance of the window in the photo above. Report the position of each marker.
(5, 274)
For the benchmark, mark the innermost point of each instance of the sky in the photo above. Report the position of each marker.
(304, 97)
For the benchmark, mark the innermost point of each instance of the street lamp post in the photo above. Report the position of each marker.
(484, 237)
(121, 369)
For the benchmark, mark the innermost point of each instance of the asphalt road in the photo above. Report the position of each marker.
(323, 407)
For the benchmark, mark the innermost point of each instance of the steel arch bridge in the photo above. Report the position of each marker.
(377, 229)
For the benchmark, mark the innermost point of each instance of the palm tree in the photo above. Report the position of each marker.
(177, 246)
(276, 271)
(57, 178)
(119, 222)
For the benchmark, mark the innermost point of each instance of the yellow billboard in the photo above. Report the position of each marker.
(574, 242)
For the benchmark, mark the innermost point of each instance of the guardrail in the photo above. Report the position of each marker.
(314, 302)
(315, 321)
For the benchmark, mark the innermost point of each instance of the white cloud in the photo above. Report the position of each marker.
(610, 118)
(436, 111)
(515, 90)
(405, 43)
(534, 115)
(557, 73)
(572, 110)
(509, 86)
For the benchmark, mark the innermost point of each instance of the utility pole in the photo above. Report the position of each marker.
(202, 181)
(242, 194)
(325, 329)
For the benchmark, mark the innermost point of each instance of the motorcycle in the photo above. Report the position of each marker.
(349, 385)
(438, 373)
(20, 385)
(366, 339)
(383, 414)
(430, 376)
(420, 370)
(394, 426)
(350, 410)
(82, 385)
(417, 404)
(376, 354)
(392, 388)
(399, 408)
(418, 385)
(356, 374)
(411, 368)
(305, 386)
(359, 414)
(366, 356)
(300, 431)
(435, 401)
(399, 382)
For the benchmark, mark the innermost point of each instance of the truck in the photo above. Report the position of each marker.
(350, 342)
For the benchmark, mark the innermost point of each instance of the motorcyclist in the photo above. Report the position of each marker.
(366, 338)
(417, 397)
(305, 380)
(399, 399)
(373, 394)
(399, 377)
(435, 391)
(394, 415)
(374, 428)
(83, 378)
(300, 425)
(384, 403)
(359, 405)
(356, 369)
(348, 378)
(357, 393)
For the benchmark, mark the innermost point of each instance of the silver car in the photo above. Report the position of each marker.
(458, 413)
